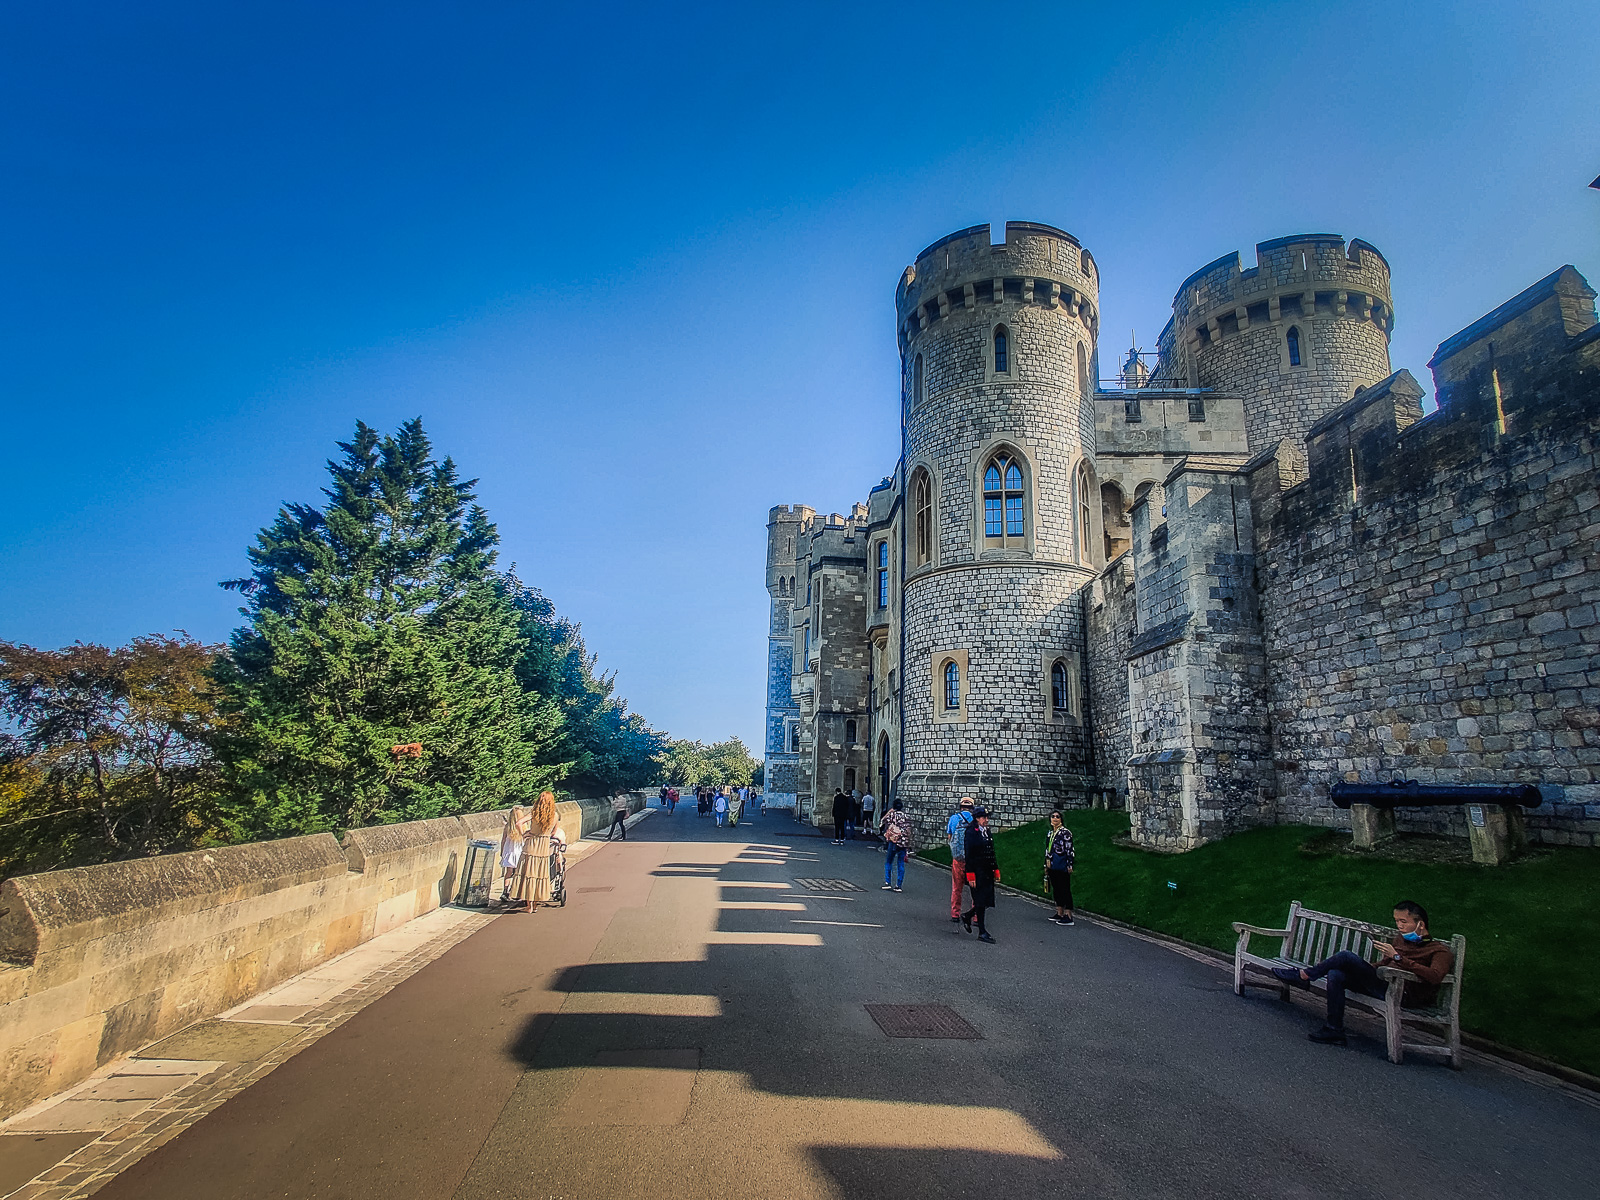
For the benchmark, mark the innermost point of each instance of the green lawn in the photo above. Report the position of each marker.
(1533, 927)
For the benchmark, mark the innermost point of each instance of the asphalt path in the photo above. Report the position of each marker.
(693, 1024)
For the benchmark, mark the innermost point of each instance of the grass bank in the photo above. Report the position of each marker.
(1532, 928)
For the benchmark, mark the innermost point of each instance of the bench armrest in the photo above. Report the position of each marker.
(1393, 973)
(1241, 927)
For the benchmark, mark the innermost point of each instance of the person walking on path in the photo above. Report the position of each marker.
(619, 818)
(735, 808)
(719, 805)
(1058, 859)
(896, 841)
(867, 805)
(512, 836)
(841, 816)
(983, 872)
(532, 885)
(956, 833)
(1413, 949)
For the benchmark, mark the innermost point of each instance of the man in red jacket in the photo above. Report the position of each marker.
(1413, 950)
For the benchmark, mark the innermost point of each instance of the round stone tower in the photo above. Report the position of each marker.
(1001, 521)
(1295, 335)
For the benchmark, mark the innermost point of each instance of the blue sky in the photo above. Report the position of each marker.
(635, 269)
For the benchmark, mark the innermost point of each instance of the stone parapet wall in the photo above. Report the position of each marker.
(1430, 592)
(102, 960)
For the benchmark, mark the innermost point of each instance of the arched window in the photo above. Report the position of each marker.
(1085, 526)
(850, 777)
(1058, 687)
(883, 768)
(1002, 351)
(952, 686)
(794, 739)
(1004, 513)
(916, 382)
(922, 505)
(1294, 346)
(1083, 370)
(850, 733)
(883, 574)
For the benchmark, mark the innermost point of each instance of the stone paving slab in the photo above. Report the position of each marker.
(225, 1041)
(25, 1155)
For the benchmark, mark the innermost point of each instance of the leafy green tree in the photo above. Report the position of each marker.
(610, 749)
(110, 751)
(690, 763)
(373, 623)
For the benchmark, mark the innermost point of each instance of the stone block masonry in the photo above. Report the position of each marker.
(1429, 594)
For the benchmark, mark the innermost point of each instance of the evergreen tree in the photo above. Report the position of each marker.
(610, 748)
(374, 623)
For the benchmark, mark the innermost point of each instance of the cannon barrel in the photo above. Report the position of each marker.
(1408, 793)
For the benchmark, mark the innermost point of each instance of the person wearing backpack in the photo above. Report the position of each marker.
(896, 841)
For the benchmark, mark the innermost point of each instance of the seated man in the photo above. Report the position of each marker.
(1414, 950)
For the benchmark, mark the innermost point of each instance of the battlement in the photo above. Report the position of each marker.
(1037, 264)
(1304, 275)
(799, 512)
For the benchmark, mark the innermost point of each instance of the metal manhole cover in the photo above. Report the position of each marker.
(828, 885)
(604, 889)
(922, 1021)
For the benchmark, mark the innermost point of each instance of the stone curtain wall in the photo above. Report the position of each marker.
(1429, 595)
(1112, 620)
(99, 961)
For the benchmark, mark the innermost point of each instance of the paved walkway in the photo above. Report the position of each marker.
(693, 1024)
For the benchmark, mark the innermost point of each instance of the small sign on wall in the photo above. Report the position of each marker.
(1475, 815)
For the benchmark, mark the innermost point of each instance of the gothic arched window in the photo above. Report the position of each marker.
(1058, 687)
(952, 686)
(1002, 351)
(1004, 512)
(1294, 346)
(922, 507)
(850, 733)
(1083, 371)
(916, 382)
(1080, 485)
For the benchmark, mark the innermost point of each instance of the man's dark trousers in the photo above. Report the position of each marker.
(619, 818)
(1347, 971)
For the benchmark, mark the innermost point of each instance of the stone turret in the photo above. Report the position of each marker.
(1294, 336)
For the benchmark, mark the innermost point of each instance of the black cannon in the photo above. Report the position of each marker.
(1408, 793)
(1493, 811)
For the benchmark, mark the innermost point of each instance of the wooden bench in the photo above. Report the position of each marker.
(1309, 937)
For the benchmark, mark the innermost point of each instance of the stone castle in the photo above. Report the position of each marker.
(1209, 591)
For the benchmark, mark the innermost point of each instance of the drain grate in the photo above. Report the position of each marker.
(828, 885)
(922, 1021)
(604, 889)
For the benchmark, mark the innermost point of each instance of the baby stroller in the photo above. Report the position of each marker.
(558, 874)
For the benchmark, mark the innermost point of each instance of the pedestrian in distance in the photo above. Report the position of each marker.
(513, 836)
(619, 818)
(867, 805)
(896, 841)
(719, 805)
(532, 884)
(841, 816)
(1058, 860)
(735, 807)
(1413, 949)
(983, 872)
(855, 813)
(956, 834)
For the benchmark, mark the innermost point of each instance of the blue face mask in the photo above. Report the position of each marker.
(1412, 937)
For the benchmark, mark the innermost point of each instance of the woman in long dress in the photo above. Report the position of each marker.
(532, 885)
(735, 809)
(512, 837)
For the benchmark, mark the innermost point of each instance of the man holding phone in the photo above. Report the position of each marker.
(1413, 949)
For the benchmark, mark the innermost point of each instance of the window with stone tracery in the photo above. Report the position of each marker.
(922, 507)
(1085, 528)
(1002, 350)
(1004, 501)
